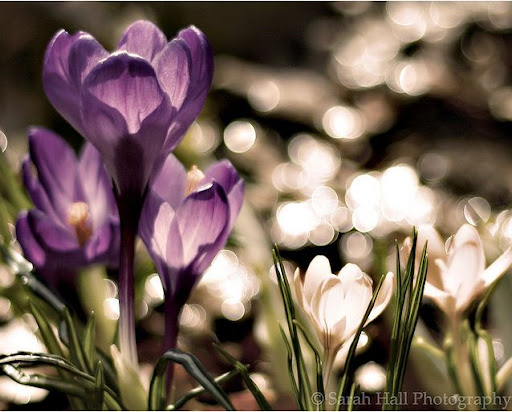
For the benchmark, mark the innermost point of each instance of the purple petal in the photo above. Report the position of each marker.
(144, 39)
(170, 181)
(173, 69)
(68, 60)
(31, 247)
(56, 167)
(50, 234)
(95, 187)
(202, 225)
(226, 175)
(154, 226)
(35, 190)
(126, 114)
(104, 245)
(201, 75)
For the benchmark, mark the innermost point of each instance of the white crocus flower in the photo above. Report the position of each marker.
(336, 304)
(459, 275)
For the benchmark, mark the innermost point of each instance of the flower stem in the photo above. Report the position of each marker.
(172, 311)
(127, 342)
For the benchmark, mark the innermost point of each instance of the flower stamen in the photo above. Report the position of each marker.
(78, 216)
(194, 177)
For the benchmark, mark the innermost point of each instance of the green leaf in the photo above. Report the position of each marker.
(199, 390)
(157, 389)
(76, 349)
(89, 347)
(318, 362)
(244, 372)
(293, 382)
(99, 388)
(49, 338)
(304, 386)
(31, 360)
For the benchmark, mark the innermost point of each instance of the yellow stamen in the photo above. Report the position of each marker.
(78, 216)
(194, 177)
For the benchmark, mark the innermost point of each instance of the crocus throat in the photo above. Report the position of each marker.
(194, 177)
(78, 216)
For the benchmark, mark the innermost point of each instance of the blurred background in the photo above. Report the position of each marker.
(351, 122)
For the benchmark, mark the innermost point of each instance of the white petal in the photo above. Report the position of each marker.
(466, 263)
(443, 300)
(297, 283)
(435, 242)
(318, 270)
(358, 294)
(383, 298)
(498, 267)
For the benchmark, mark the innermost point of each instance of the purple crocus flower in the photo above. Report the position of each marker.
(134, 105)
(75, 220)
(186, 220)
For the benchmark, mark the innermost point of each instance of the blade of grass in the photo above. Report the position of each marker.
(157, 389)
(293, 382)
(244, 372)
(89, 347)
(199, 390)
(99, 385)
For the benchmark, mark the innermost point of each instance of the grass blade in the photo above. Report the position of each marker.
(199, 390)
(244, 372)
(157, 390)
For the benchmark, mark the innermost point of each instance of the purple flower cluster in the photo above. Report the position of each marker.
(133, 106)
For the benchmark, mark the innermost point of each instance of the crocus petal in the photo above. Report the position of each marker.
(31, 247)
(201, 75)
(124, 108)
(144, 39)
(358, 294)
(55, 162)
(173, 69)
(298, 286)
(156, 219)
(466, 262)
(105, 241)
(498, 267)
(67, 61)
(328, 320)
(443, 300)
(383, 298)
(95, 187)
(318, 270)
(170, 181)
(55, 237)
(224, 173)
(35, 190)
(201, 224)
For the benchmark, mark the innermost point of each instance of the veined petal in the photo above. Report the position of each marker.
(173, 69)
(318, 270)
(498, 267)
(56, 166)
(201, 75)
(67, 61)
(466, 262)
(144, 39)
(170, 181)
(95, 187)
(126, 114)
(202, 225)
(224, 173)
